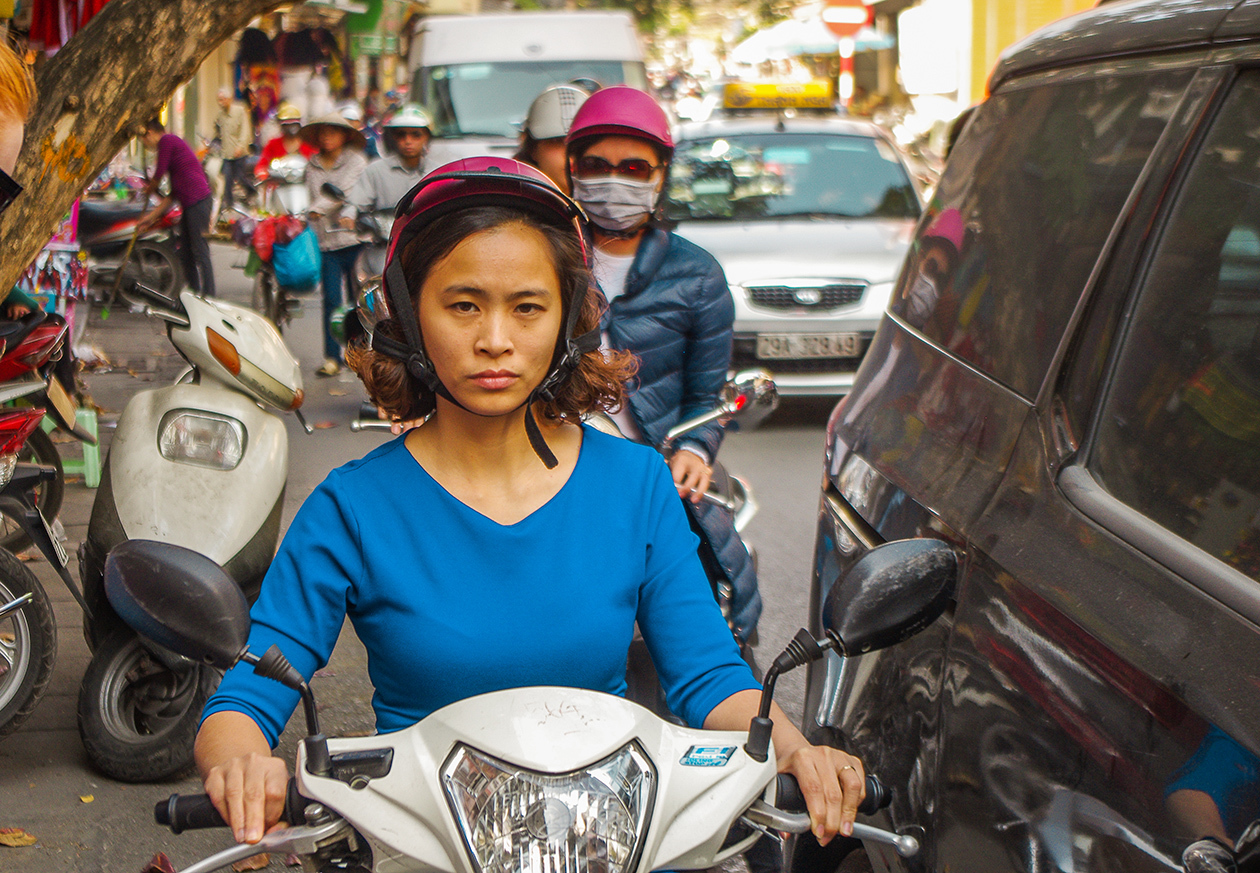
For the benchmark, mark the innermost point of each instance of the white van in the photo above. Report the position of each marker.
(477, 74)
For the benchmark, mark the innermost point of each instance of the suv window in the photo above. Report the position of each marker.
(1026, 203)
(1179, 436)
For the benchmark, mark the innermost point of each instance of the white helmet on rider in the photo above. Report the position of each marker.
(552, 111)
(410, 115)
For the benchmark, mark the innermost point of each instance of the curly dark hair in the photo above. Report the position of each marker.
(598, 382)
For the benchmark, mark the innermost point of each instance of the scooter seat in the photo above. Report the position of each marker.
(13, 332)
(96, 216)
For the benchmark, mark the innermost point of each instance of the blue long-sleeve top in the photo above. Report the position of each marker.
(449, 603)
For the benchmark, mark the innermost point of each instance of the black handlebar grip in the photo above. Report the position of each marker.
(790, 799)
(184, 812)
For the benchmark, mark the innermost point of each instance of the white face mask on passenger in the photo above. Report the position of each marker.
(614, 203)
(921, 300)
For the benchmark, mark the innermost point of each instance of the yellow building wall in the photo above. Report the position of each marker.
(998, 23)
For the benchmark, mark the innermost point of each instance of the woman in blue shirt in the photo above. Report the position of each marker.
(502, 543)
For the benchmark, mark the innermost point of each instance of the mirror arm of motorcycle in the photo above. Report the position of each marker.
(802, 650)
(722, 413)
(274, 665)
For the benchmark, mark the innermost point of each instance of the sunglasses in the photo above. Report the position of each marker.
(9, 190)
(589, 167)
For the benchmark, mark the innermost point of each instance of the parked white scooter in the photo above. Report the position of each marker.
(528, 780)
(202, 464)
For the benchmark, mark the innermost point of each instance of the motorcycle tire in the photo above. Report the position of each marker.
(28, 644)
(138, 718)
(47, 496)
(267, 298)
(158, 267)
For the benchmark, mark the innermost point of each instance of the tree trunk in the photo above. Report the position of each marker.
(114, 75)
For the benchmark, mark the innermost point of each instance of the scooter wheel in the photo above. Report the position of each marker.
(28, 644)
(38, 449)
(138, 718)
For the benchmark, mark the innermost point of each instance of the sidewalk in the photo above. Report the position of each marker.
(44, 773)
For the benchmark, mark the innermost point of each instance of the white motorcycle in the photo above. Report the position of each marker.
(528, 780)
(203, 464)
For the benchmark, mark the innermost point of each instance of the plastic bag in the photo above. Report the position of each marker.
(296, 263)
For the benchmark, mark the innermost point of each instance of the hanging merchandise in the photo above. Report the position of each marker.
(54, 22)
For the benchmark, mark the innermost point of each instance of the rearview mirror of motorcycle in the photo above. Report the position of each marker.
(184, 601)
(753, 396)
(328, 189)
(179, 599)
(747, 399)
(893, 591)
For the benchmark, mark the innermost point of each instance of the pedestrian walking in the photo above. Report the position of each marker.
(340, 161)
(190, 188)
(235, 135)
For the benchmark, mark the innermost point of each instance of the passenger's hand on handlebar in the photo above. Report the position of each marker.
(691, 475)
(833, 783)
(249, 793)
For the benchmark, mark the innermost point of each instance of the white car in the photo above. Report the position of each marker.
(810, 217)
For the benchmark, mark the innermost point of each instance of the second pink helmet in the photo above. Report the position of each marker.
(622, 111)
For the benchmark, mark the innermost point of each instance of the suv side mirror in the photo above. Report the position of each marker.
(893, 591)
(179, 599)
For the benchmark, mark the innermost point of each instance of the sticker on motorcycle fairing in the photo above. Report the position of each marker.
(707, 756)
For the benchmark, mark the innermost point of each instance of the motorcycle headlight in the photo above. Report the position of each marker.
(518, 821)
(202, 439)
(8, 463)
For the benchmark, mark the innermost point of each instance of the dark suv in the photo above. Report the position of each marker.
(1066, 389)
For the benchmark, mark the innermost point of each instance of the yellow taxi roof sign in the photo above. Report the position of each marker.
(816, 94)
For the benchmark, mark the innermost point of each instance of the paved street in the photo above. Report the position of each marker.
(85, 822)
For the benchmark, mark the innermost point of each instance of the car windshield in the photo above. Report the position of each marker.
(491, 99)
(788, 175)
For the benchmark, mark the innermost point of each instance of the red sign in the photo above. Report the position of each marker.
(845, 18)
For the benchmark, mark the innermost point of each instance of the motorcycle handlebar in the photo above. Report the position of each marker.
(788, 795)
(186, 812)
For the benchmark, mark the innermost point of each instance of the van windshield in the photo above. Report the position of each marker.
(491, 99)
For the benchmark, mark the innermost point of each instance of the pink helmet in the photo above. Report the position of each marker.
(949, 227)
(460, 185)
(622, 111)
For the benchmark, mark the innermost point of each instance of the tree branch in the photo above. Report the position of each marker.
(110, 78)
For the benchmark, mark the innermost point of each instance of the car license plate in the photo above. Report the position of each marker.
(807, 345)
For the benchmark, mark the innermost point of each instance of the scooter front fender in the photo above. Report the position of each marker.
(213, 511)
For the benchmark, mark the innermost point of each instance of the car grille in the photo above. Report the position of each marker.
(786, 297)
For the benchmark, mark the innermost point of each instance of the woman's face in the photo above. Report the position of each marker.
(615, 149)
(10, 142)
(331, 137)
(550, 156)
(490, 314)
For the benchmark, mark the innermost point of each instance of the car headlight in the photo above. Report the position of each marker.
(518, 821)
(202, 439)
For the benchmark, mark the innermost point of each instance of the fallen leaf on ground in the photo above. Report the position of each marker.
(325, 425)
(86, 798)
(15, 837)
(255, 863)
(159, 863)
(338, 392)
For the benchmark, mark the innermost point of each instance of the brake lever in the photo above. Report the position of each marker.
(764, 815)
(300, 840)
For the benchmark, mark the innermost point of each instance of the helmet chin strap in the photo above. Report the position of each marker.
(411, 353)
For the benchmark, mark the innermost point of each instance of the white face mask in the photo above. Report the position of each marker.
(615, 203)
(921, 300)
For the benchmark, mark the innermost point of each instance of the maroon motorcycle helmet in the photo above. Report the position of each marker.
(482, 181)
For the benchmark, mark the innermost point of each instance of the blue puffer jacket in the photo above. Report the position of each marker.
(676, 315)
